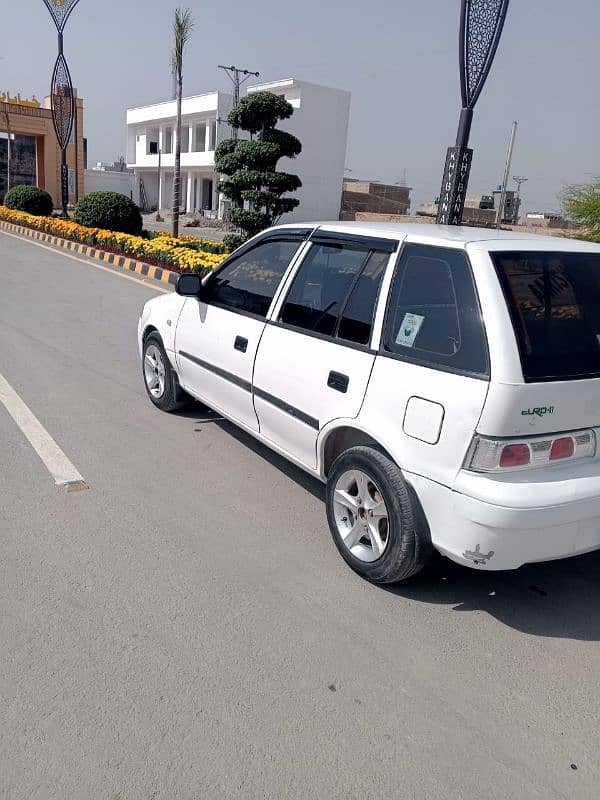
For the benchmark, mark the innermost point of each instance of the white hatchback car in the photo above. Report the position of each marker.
(443, 382)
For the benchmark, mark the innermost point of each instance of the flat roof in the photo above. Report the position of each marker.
(173, 100)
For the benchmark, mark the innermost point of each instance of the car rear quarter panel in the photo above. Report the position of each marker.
(384, 416)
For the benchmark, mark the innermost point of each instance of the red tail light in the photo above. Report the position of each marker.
(515, 455)
(562, 448)
(496, 455)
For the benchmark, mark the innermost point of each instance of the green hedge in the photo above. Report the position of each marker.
(30, 199)
(110, 211)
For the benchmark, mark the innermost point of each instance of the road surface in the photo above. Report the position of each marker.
(184, 628)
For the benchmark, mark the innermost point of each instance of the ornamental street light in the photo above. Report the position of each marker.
(62, 101)
(481, 23)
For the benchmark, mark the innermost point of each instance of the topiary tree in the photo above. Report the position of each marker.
(109, 210)
(31, 199)
(254, 186)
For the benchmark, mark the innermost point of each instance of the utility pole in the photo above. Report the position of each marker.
(518, 179)
(506, 172)
(235, 73)
(158, 216)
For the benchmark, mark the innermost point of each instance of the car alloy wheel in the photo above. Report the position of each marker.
(154, 371)
(361, 515)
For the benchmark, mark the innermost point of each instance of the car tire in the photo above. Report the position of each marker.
(160, 379)
(376, 524)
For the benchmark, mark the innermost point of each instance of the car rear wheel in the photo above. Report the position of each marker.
(159, 377)
(373, 519)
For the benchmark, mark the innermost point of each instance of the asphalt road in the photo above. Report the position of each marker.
(185, 628)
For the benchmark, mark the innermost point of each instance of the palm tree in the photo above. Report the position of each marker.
(182, 30)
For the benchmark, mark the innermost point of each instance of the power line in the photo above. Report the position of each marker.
(234, 74)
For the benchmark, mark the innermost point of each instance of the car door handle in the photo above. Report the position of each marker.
(338, 381)
(240, 344)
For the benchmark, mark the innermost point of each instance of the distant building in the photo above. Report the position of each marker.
(320, 121)
(112, 166)
(373, 197)
(481, 209)
(511, 206)
(541, 219)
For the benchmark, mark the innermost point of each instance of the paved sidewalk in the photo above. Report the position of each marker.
(207, 232)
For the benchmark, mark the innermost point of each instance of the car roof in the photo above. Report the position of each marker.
(450, 235)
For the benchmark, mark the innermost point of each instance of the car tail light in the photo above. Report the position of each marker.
(515, 455)
(562, 448)
(497, 455)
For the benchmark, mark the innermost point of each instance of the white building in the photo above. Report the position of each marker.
(151, 129)
(320, 121)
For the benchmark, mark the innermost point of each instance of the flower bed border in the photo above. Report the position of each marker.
(160, 273)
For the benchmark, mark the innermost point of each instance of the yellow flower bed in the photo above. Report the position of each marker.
(185, 254)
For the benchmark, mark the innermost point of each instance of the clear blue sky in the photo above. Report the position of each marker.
(399, 60)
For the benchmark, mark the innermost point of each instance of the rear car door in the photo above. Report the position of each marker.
(314, 360)
(217, 337)
(431, 377)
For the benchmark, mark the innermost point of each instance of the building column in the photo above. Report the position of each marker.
(160, 190)
(190, 187)
(207, 142)
(190, 137)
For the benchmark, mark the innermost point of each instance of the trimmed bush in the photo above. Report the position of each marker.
(30, 199)
(110, 211)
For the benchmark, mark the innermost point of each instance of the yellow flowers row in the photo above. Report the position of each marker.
(185, 254)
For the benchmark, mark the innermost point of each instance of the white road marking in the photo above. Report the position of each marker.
(149, 284)
(57, 463)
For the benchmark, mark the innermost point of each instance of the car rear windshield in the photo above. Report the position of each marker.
(554, 299)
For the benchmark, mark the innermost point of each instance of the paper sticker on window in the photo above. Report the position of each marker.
(411, 325)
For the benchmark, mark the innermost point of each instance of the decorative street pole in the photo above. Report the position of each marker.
(61, 95)
(481, 23)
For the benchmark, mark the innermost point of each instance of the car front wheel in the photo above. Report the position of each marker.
(159, 377)
(373, 519)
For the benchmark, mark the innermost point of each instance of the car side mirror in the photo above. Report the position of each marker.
(189, 284)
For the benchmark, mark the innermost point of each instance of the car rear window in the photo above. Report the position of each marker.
(554, 299)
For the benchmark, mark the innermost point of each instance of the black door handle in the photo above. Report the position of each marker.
(240, 344)
(338, 381)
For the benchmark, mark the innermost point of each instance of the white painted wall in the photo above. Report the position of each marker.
(101, 181)
(320, 121)
(157, 123)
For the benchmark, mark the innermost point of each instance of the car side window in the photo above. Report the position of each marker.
(321, 286)
(433, 315)
(249, 282)
(334, 291)
(356, 322)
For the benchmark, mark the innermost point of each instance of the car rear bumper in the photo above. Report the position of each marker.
(485, 535)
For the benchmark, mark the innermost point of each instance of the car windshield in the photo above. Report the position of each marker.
(554, 299)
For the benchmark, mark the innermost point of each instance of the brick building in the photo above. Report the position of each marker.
(34, 151)
(374, 198)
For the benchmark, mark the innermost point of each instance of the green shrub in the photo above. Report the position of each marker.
(233, 240)
(30, 199)
(110, 211)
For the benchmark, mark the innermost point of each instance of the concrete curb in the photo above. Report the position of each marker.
(124, 262)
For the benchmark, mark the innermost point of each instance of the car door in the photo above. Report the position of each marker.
(217, 337)
(431, 377)
(314, 360)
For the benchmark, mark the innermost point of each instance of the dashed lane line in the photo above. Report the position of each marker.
(56, 462)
